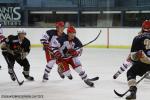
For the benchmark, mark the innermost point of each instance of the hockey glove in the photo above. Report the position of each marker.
(46, 46)
(135, 56)
(23, 55)
(58, 55)
(73, 52)
(145, 59)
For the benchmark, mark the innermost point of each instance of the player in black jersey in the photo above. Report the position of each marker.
(16, 48)
(140, 55)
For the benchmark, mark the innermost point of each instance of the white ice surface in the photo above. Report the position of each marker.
(97, 62)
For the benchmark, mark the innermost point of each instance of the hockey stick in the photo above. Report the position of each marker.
(94, 79)
(121, 95)
(49, 48)
(20, 83)
(92, 40)
(84, 44)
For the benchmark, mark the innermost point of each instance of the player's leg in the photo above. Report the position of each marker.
(124, 66)
(60, 72)
(50, 62)
(26, 68)
(137, 69)
(10, 62)
(48, 69)
(64, 68)
(131, 77)
(76, 64)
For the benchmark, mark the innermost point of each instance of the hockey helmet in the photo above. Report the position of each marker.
(146, 26)
(71, 29)
(59, 24)
(21, 30)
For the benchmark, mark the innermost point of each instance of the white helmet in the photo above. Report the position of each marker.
(21, 30)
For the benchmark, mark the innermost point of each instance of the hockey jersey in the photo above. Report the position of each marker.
(13, 43)
(64, 45)
(141, 42)
(49, 37)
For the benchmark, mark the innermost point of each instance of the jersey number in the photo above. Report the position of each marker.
(147, 43)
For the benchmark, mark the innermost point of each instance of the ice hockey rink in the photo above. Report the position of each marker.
(97, 62)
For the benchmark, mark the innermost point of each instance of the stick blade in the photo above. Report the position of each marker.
(94, 79)
(21, 83)
(120, 95)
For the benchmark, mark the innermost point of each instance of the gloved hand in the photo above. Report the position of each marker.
(73, 52)
(58, 55)
(46, 46)
(23, 55)
(135, 56)
(144, 58)
(140, 54)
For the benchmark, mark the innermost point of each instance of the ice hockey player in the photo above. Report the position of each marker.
(16, 48)
(68, 54)
(2, 37)
(47, 37)
(140, 55)
(126, 64)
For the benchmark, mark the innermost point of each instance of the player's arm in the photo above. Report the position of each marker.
(56, 44)
(45, 41)
(77, 51)
(26, 49)
(144, 58)
(79, 47)
(2, 38)
(7, 44)
(136, 49)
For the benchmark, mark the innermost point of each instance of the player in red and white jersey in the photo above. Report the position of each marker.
(47, 38)
(69, 48)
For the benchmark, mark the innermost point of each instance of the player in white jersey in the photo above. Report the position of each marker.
(46, 40)
(69, 49)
